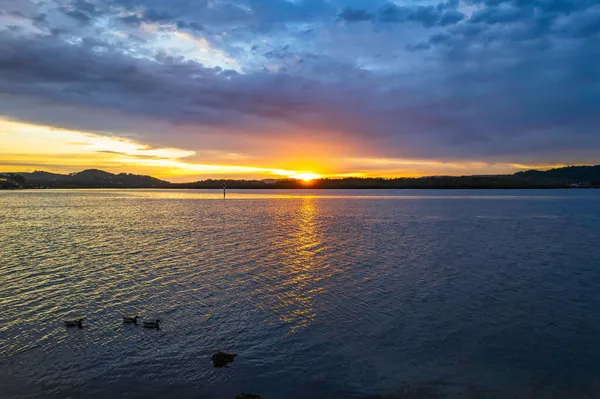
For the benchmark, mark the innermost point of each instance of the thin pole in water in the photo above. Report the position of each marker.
(224, 190)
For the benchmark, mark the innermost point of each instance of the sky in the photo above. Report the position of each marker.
(194, 89)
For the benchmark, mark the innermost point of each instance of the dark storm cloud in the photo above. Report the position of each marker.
(151, 15)
(190, 25)
(393, 13)
(351, 14)
(256, 15)
(80, 10)
(500, 15)
(172, 88)
(564, 7)
(85, 6)
(78, 15)
(515, 80)
(442, 14)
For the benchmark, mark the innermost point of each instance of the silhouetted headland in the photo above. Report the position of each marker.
(567, 177)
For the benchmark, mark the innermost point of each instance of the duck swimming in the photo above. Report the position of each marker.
(152, 324)
(130, 319)
(74, 323)
(222, 359)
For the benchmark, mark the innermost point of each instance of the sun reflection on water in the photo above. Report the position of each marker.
(300, 271)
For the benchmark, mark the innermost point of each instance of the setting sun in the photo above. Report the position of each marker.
(306, 176)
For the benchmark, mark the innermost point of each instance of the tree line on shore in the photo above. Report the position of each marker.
(567, 177)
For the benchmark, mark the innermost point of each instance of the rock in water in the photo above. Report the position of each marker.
(248, 396)
(222, 359)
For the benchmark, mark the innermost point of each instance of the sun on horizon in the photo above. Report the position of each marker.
(306, 177)
(25, 147)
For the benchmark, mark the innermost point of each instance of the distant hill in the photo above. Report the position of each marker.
(91, 178)
(586, 175)
(11, 181)
(567, 177)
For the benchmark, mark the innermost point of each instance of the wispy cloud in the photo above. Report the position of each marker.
(75, 150)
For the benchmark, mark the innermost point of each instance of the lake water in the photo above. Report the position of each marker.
(323, 294)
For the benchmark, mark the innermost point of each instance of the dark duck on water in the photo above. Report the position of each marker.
(130, 319)
(74, 323)
(222, 359)
(152, 324)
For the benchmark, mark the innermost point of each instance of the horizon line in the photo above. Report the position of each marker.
(306, 180)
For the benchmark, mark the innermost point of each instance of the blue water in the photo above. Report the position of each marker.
(323, 294)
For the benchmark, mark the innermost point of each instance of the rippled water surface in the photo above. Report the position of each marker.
(323, 294)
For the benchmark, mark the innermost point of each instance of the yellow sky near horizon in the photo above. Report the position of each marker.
(28, 147)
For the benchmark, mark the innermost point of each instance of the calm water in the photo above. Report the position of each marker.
(323, 294)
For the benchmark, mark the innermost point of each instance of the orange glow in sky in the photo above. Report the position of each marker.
(306, 176)
(29, 147)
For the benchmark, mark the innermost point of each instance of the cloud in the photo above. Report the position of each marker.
(440, 15)
(153, 15)
(512, 81)
(499, 15)
(351, 14)
(80, 10)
